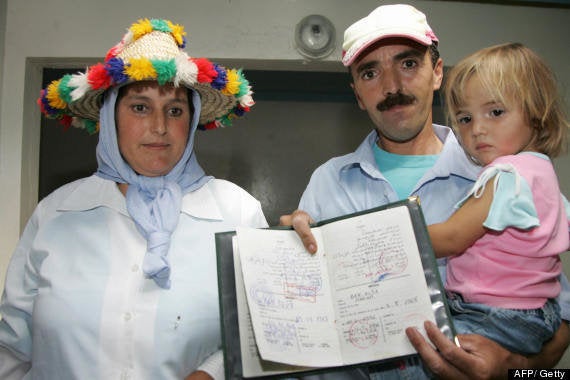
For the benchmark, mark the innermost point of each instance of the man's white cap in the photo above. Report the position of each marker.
(399, 20)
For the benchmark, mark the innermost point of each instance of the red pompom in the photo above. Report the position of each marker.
(112, 53)
(66, 121)
(98, 77)
(210, 125)
(206, 70)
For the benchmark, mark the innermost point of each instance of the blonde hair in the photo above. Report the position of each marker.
(516, 76)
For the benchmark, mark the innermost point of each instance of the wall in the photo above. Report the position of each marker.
(37, 33)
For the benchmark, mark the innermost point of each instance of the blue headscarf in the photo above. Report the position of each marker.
(153, 202)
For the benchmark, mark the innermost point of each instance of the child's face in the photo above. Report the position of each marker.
(488, 128)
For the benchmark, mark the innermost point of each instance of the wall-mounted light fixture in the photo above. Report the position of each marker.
(315, 37)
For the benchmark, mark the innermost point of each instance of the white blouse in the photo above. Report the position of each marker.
(77, 304)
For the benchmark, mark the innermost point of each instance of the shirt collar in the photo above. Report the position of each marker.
(362, 157)
(446, 165)
(94, 191)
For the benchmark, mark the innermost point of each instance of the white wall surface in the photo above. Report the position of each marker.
(256, 33)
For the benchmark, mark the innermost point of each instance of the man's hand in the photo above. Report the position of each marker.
(300, 221)
(477, 358)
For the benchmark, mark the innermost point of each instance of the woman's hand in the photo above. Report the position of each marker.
(199, 375)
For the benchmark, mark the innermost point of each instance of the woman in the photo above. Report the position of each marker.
(115, 274)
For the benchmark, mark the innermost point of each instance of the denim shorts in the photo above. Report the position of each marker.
(520, 331)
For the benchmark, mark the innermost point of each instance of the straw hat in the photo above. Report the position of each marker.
(150, 50)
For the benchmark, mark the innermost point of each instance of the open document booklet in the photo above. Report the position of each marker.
(284, 310)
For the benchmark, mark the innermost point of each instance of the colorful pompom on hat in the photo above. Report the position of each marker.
(152, 49)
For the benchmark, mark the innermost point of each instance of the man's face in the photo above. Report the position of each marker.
(394, 82)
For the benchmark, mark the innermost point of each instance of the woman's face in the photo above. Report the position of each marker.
(153, 123)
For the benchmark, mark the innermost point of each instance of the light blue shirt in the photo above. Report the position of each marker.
(353, 183)
(78, 306)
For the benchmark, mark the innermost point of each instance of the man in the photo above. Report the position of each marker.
(395, 67)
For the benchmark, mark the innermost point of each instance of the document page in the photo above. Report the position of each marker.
(289, 298)
(349, 303)
(379, 287)
(252, 364)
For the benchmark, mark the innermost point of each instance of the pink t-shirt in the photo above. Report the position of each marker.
(510, 267)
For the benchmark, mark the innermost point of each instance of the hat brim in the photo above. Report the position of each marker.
(215, 104)
(88, 106)
(355, 51)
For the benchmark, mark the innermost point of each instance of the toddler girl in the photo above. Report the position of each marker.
(506, 237)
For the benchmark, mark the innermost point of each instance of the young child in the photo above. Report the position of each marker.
(505, 239)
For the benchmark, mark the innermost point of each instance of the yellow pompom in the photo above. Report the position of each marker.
(53, 97)
(140, 69)
(141, 28)
(177, 32)
(232, 87)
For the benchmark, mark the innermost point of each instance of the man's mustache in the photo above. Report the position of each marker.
(395, 100)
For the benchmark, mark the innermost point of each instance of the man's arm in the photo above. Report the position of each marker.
(479, 357)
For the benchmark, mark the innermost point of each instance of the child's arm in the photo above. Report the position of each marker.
(464, 227)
